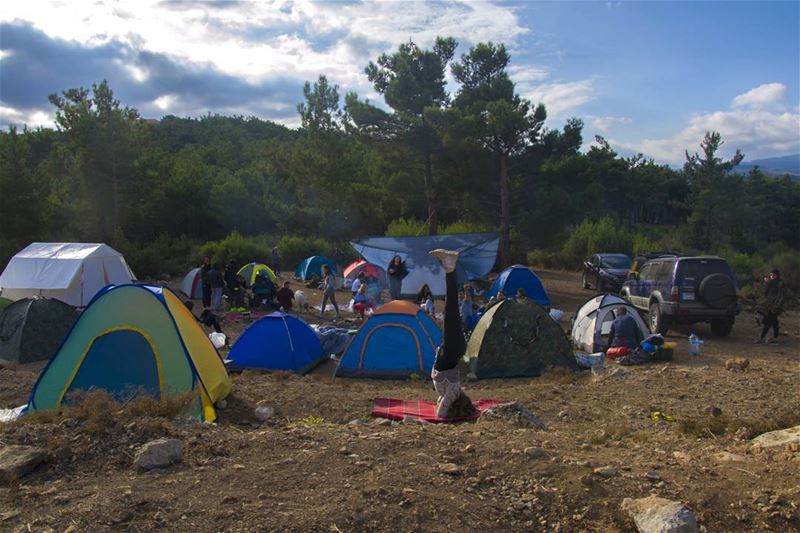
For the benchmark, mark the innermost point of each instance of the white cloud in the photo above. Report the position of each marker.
(761, 97)
(32, 118)
(256, 41)
(758, 133)
(560, 99)
(604, 124)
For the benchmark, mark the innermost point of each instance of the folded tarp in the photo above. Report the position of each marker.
(332, 339)
(478, 252)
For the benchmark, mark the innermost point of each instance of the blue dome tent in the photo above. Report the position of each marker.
(278, 341)
(312, 266)
(398, 340)
(519, 277)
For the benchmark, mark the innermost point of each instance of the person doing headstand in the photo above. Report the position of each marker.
(452, 402)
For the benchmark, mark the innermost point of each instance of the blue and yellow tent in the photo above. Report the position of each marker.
(398, 340)
(312, 266)
(278, 341)
(135, 339)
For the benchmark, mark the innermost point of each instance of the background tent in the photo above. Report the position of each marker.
(370, 272)
(192, 285)
(32, 329)
(518, 277)
(517, 337)
(251, 270)
(70, 272)
(277, 341)
(478, 252)
(135, 339)
(398, 340)
(592, 322)
(312, 266)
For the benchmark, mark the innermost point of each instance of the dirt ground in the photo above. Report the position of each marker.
(322, 464)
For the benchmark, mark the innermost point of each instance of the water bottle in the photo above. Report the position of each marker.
(694, 344)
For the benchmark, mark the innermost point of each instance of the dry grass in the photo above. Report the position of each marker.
(715, 426)
(99, 411)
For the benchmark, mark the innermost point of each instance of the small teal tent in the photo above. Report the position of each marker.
(518, 277)
(278, 341)
(398, 340)
(312, 266)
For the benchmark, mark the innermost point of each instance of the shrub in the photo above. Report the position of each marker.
(467, 226)
(605, 235)
(788, 263)
(236, 246)
(294, 249)
(165, 256)
(401, 227)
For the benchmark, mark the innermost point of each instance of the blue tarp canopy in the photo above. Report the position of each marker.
(478, 252)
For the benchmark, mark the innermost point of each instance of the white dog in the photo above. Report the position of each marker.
(300, 300)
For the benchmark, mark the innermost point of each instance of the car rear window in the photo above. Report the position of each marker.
(694, 270)
(616, 261)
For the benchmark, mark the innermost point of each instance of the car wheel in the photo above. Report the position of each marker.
(585, 281)
(721, 328)
(658, 322)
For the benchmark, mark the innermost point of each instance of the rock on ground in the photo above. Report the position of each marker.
(777, 438)
(159, 453)
(659, 515)
(16, 461)
(515, 412)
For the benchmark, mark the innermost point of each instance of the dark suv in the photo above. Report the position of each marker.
(684, 290)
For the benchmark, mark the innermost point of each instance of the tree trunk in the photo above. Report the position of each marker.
(505, 214)
(430, 195)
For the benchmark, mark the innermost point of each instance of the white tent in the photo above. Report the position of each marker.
(191, 285)
(70, 272)
(593, 320)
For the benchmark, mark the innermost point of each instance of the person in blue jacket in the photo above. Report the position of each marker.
(624, 331)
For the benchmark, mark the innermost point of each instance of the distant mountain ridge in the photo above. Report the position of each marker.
(775, 166)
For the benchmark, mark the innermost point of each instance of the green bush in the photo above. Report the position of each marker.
(788, 263)
(410, 227)
(402, 227)
(605, 235)
(236, 246)
(294, 249)
(163, 257)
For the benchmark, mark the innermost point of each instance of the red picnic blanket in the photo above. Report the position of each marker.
(395, 409)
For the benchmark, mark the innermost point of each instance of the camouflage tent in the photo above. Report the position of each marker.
(515, 338)
(32, 329)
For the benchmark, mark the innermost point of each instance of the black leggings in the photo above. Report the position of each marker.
(770, 321)
(454, 345)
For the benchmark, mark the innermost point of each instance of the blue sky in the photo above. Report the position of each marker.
(651, 77)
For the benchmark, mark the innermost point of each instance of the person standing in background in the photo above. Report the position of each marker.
(397, 271)
(205, 283)
(275, 261)
(328, 290)
(217, 282)
(774, 296)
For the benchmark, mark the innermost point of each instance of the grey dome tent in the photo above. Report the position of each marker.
(32, 329)
(516, 338)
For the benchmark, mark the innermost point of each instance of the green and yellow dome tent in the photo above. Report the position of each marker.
(135, 339)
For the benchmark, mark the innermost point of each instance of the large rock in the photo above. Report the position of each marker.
(659, 515)
(16, 461)
(516, 412)
(159, 453)
(777, 438)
